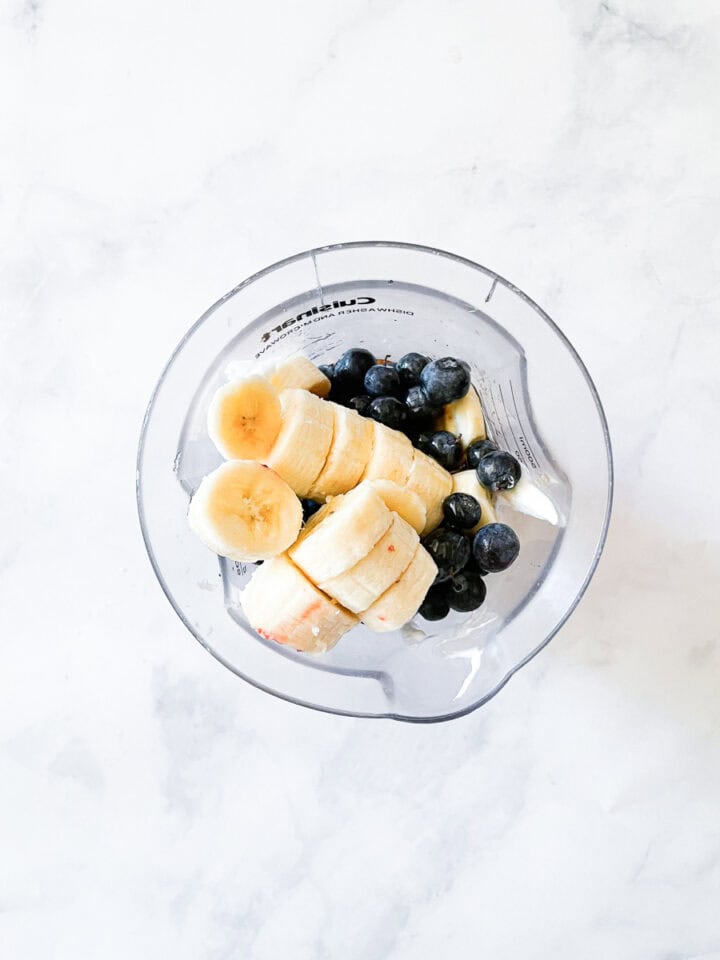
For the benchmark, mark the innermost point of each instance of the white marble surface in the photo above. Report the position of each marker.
(152, 155)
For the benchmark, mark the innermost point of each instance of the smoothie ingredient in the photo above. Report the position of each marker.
(245, 511)
(464, 418)
(498, 470)
(281, 604)
(461, 511)
(495, 547)
(244, 419)
(477, 450)
(445, 380)
(301, 373)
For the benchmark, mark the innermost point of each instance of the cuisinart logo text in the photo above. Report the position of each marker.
(335, 305)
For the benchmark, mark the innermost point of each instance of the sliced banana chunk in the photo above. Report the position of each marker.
(401, 601)
(467, 482)
(464, 418)
(244, 419)
(341, 533)
(245, 511)
(349, 453)
(391, 456)
(302, 373)
(432, 483)
(361, 585)
(302, 445)
(281, 604)
(403, 501)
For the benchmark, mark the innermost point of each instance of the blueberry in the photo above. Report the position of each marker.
(350, 371)
(328, 369)
(461, 511)
(445, 380)
(435, 605)
(418, 404)
(422, 417)
(422, 442)
(450, 550)
(309, 507)
(388, 410)
(498, 470)
(444, 447)
(495, 547)
(465, 591)
(383, 381)
(410, 367)
(360, 404)
(477, 450)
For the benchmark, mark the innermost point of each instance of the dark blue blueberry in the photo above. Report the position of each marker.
(328, 369)
(461, 511)
(495, 547)
(465, 591)
(477, 450)
(410, 367)
(498, 470)
(434, 606)
(449, 549)
(445, 380)
(444, 447)
(418, 439)
(309, 507)
(422, 442)
(390, 411)
(418, 404)
(350, 372)
(383, 381)
(360, 404)
(419, 425)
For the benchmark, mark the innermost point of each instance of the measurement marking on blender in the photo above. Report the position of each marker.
(499, 422)
(515, 446)
(486, 397)
(523, 436)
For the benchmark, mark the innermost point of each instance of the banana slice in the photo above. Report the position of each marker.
(282, 605)
(403, 501)
(391, 456)
(467, 482)
(464, 418)
(244, 419)
(244, 511)
(341, 533)
(529, 499)
(432, 483)
(361, 585)
(301, 373)
(349, 454)
(401, 602)
(303, 442)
